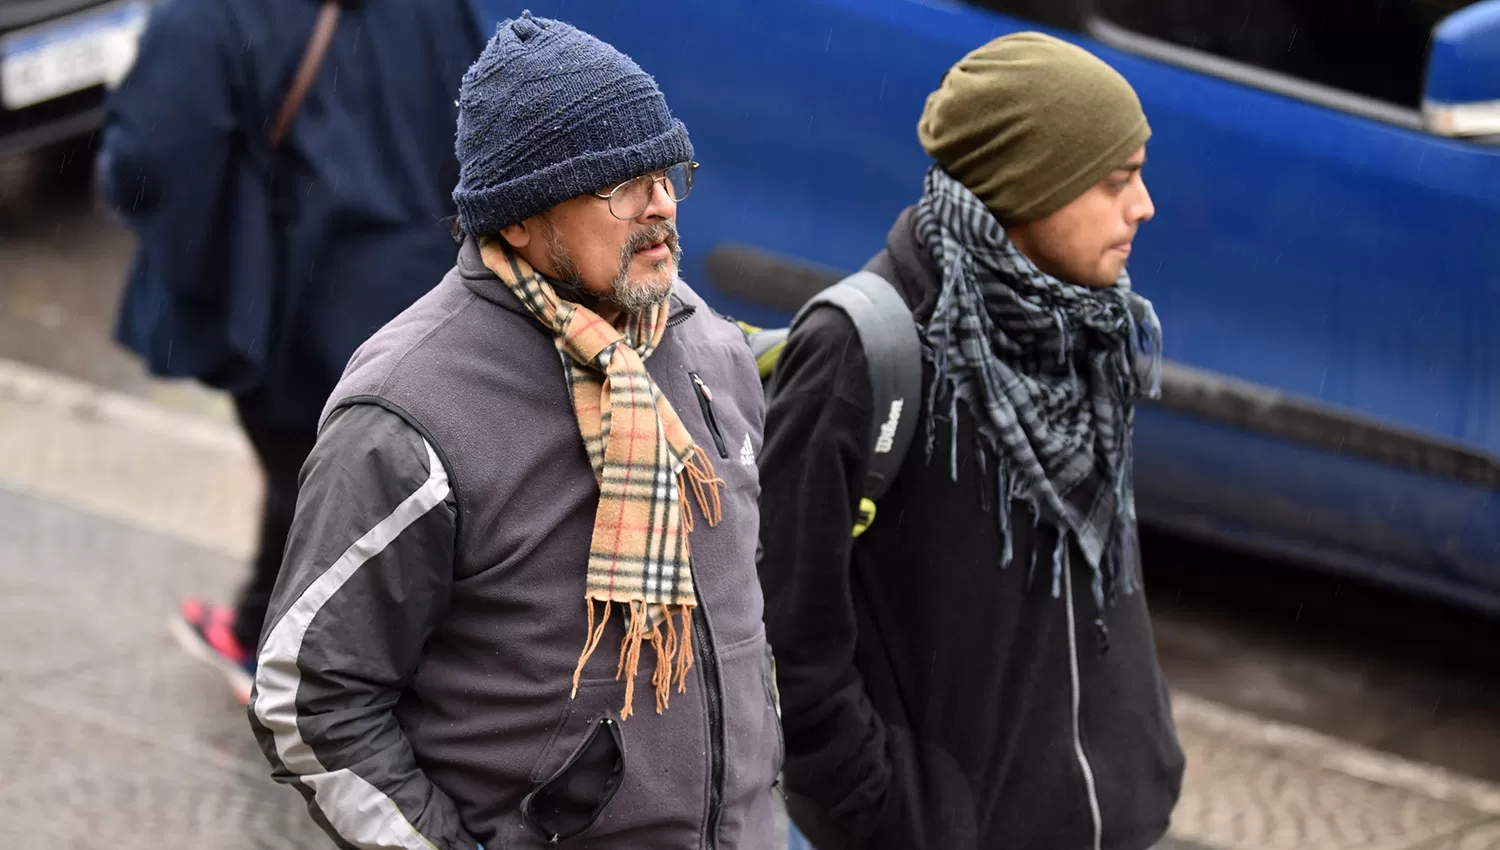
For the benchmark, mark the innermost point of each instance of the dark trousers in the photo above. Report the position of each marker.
(281, 452)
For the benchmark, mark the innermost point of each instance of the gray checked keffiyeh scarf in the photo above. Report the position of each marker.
(1050, 371)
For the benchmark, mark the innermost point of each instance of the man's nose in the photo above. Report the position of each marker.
(660, 204)
(1142, 209)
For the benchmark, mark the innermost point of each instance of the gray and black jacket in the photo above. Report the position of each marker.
(415, 672)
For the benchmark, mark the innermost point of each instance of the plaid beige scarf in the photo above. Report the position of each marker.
(643, 459)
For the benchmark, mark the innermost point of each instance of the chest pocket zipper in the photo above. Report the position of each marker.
(706, 404)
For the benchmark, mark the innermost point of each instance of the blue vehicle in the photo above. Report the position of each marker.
(1325, 256)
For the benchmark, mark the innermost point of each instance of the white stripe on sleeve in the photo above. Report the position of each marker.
(357, 810)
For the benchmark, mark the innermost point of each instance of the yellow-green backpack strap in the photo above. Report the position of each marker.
(765, 345)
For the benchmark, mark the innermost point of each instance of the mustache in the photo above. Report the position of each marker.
(662, 231)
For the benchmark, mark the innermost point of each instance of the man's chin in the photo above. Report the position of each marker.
(638, 294)
(1106, 276)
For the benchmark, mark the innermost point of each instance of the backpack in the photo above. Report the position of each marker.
(888, 335)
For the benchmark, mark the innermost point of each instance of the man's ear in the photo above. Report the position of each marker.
(518, 236)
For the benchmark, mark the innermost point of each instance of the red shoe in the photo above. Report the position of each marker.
(206, 632)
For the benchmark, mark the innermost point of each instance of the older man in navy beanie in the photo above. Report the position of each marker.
(519, 606)
(551, 123)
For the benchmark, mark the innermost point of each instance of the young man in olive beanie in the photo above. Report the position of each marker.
(977, 668)
(519, 606)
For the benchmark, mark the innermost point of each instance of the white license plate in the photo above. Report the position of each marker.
(78, 52)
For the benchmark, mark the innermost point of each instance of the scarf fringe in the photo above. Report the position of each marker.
(698, 476)
(630, 654)
(591, 641)
(665, 645)
(673, 647)
(685, 648)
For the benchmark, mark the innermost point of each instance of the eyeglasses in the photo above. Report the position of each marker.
(629, 199)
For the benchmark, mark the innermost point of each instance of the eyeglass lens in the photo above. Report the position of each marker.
(631, 199)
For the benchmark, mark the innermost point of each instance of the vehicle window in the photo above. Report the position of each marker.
(1376, 48)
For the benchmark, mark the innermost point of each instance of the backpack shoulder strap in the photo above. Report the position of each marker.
(888, 336)
(307, 69)
(765, 347)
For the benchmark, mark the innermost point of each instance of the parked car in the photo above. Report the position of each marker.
(1325, 256)
(57, 60)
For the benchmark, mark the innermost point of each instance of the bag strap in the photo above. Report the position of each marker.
(765, 347)
(307, 71)
(888, 336)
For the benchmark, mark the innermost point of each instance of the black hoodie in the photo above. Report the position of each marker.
(933, 696)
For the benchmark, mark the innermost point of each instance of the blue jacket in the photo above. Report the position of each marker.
(246, 255)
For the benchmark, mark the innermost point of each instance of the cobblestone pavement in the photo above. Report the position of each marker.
(112, 508)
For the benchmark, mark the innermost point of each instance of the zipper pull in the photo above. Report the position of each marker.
(706, 404)
(702, 387)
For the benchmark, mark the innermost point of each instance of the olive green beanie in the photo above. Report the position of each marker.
(1029, 122)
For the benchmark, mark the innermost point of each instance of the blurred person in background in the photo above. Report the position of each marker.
(977, 668)
(274, 240)
(519, 605)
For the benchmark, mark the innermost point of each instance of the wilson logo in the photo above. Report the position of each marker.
(887, 437)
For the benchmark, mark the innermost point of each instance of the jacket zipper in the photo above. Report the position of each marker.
(1083, 759)
(706, 404)
(681, 316)
(704, 646)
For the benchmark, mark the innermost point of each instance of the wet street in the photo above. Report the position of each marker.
(1318, 714)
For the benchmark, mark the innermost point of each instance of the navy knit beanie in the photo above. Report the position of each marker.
(549, 113)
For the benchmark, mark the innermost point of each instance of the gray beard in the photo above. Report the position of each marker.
(624, 295)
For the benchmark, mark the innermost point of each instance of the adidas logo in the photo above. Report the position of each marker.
(747, 453)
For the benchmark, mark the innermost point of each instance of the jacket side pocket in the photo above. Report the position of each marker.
(572, 800)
